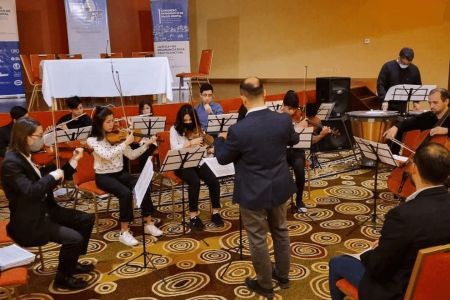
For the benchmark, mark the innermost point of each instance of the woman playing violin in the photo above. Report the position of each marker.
(184, 134)
(296, 157)
(111, 177)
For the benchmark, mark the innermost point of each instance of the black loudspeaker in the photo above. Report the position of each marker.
(334, 89)
(341, 140)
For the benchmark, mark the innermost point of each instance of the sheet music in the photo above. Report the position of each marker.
(324, 111)
(366, 148)
(62, 136)
(143, 182)
(274, 105)
(374, 150)
(14, 256)
(221, 123)
(218, 169)
(149, 125)
(400, 92)
(305, 135)
(174, 158)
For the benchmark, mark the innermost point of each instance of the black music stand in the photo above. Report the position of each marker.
(400, 95)
(274, 105)
(139, 192)
(179, 160)
(69, 135)
(220, 123)
(378, 152)
(149, 125)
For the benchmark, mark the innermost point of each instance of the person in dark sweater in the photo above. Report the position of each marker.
(398, 71)
(76, 111)
(5, 131)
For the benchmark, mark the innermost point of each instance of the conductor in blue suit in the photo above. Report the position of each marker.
(263, 184)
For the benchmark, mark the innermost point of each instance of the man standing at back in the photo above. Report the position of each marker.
(263, 184)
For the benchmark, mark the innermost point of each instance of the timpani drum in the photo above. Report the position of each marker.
(372, 124)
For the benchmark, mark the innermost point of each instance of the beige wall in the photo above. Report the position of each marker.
(276, 39)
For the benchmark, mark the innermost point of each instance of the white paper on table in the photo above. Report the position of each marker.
(218, 169)
(143, 182)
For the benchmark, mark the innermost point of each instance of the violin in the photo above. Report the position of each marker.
(119, 135)
(208, 140)
(333, 131)
(400, 182)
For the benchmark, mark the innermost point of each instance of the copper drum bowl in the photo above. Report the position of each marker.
(372, 124)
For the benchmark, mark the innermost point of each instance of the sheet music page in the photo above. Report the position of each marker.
(143, 182)
(14, 256)
(305, 137)
(75, 134)
(218, 169)
(400, 92)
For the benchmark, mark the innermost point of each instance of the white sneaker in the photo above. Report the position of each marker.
(127, 238)
(152, 229)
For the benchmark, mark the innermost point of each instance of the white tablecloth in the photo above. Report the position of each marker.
(94, 77)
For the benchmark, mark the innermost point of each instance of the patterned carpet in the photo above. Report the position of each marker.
(190, 266)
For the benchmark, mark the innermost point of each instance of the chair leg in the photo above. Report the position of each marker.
(179, 89)
(33, 93)
(41, 257)
(173, 201)
(160, 190)
(108, 204)
(309, 183)
(94, 199)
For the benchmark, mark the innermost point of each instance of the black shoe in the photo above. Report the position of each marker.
(67, 282)
(252, 285)
(83, 269)
(282, 282)
(217, 220)
(196, 223)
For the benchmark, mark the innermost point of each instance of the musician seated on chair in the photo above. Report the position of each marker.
(439, 99)
(35, 217)
(5, 131)
(184, 134)
(422, 221)
(207, 106)
(75, 119)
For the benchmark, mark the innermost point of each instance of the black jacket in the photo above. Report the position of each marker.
(5, 136)
(391, 74)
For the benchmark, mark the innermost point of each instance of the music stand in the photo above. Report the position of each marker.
(139, 192)
(220, 123)
(378, 152)
(179, 160)
(405, 93)
(69, 135)
(324, 111)
(149, 125)
(274, 105)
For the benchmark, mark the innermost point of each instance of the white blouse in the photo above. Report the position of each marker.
(176, 140)
(109, 158)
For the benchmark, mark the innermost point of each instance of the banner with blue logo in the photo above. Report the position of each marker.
(87, 27)
(11, 82)
(171, 34)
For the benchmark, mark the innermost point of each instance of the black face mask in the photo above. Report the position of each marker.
(189, 126)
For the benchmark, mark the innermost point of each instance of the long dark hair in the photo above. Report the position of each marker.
(98, 119)
(21, 130)
(179, 122)
(142, 103)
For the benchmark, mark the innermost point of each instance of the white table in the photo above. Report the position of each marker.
(94, 77)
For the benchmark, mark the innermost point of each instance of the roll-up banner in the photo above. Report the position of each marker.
(171, 34)
(87, 27)
(11, 82)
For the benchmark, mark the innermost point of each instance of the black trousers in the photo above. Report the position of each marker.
(71, 228)
(121, 185)
(192, 177)
(296, 159)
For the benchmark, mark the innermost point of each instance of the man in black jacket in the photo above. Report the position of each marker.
(422, 221)
(262, 185)
(398, 71)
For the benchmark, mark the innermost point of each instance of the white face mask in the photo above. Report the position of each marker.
(402, 65)
(37, 145)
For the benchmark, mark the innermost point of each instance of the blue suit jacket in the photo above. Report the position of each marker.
(257, 147)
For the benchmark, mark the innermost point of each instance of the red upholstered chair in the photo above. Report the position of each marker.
(111, 55)
(203, 71)
(70, 56)
(84, 181)
(230, 105)
(167, 178)
(430, 275)
(35, 82)
(347, 288)
(168, 110)
(36, 63)
(143, 54)
(13, 278)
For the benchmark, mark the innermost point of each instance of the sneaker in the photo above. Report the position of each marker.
(153, 230)
(282, 282)
(196, 223)
(217, 220)
(127, 238)
(252, 285)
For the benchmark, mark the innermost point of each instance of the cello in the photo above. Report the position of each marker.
(400, 182)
